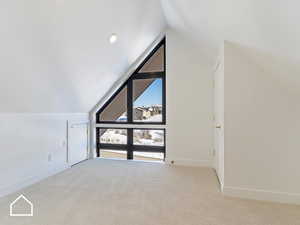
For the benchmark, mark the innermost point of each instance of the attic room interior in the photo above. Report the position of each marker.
(164, 112)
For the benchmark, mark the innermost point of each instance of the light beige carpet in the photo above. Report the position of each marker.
(110, 192)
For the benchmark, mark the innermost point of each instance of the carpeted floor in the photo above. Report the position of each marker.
(111, 192)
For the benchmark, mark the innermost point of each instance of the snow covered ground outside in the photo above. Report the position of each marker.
(114, 136)
(152, 137)
(140, 137)
(155, 118)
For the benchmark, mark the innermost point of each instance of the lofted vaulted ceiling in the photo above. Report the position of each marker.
(55, 54)
(268, 25)
(268, 31)
(56, 57)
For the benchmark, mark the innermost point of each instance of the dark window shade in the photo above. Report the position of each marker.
(116, 110)
(155, 63)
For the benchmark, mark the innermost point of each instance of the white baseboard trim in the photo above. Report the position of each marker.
(262, 195)
(189, 162)
(9, 189)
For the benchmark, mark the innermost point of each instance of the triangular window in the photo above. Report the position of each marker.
(140, 100)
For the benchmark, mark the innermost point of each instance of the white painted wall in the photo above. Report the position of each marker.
(189, 103)
(262, 131)
(26, 140)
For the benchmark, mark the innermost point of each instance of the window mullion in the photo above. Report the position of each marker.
(129, 101)
(164, 100)
(129, 119)
(129, 143)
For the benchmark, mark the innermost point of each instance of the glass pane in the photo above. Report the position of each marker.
(149, 156)
(113, 136)
(155, 63)
(117, 109)
(148, 137)
(113, 154)
(147, 95)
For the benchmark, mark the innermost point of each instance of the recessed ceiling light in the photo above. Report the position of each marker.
(113, 38)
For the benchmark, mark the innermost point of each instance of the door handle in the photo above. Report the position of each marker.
(218, 126)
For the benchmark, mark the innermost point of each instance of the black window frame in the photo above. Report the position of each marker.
(130, 147)
(129, 83)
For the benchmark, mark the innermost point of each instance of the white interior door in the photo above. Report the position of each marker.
(219, 123)
(77, 142)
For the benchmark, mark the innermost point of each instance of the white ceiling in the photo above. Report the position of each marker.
(271, 26)
(55, 55)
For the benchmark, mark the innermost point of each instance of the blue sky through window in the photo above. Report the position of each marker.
(151, 96)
